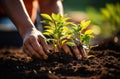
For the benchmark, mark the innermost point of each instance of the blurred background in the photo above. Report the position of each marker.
(81, 5)
(104, 16)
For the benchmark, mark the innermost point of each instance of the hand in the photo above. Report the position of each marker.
(78, 51)
(34, 44)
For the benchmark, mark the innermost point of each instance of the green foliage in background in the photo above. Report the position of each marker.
(81, 5)
(108, 19)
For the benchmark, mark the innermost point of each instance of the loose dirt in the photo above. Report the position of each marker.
(105, 64)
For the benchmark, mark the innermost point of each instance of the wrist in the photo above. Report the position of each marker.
(26, 29)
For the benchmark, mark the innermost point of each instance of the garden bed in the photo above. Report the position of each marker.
(105, 64)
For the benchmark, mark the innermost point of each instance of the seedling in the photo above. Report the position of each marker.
(59, 29)
(81, 37)
(56, 29)
(80, 33)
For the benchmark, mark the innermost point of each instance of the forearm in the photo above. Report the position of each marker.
(51, 6)
(17, 12)
(59, 7)
(34, 10)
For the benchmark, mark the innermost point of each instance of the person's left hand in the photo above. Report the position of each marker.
(78, 51)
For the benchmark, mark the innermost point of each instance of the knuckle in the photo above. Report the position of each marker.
(32, 37)
(25, 42)
(41, 37)
(36, 49)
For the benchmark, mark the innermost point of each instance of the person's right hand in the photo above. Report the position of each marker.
(35, 45)
(77, 51)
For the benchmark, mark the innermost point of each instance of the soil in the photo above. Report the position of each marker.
(104, 64)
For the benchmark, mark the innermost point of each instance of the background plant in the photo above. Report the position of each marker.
(108, 18)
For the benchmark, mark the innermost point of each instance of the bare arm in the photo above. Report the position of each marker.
(51, 6)
(16, 11)
(34, 10)
(34, 42)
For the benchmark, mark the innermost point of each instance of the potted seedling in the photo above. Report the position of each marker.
(62, 32)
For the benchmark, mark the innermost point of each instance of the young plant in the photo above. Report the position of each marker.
(81, 36)
(56, 29)
(80, 33)
(59, 29)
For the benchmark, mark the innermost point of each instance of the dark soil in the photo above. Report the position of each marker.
(105, 64)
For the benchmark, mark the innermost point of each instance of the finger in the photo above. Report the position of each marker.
(76, 52)
(32, 51)
(44, 44)
(25, 43)
(66, 49)
(82, 51)
(38, 48)
(27, 52)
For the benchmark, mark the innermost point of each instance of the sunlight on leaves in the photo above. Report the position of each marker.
(63, 31)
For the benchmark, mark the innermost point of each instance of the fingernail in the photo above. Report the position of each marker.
(47, 51)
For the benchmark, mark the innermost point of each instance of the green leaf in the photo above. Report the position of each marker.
(45, 22)
(85, 39)
(54, 16)
(90, 56)
(89, 32)
(65, 18)
(106, 13)
(70, 43)
(69, 23)
(48, 27)
(84, 24)
(64, 41)
(46, 16)
(49, 31)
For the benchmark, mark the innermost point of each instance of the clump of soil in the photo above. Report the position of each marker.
(60, 57)
(105, 64)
